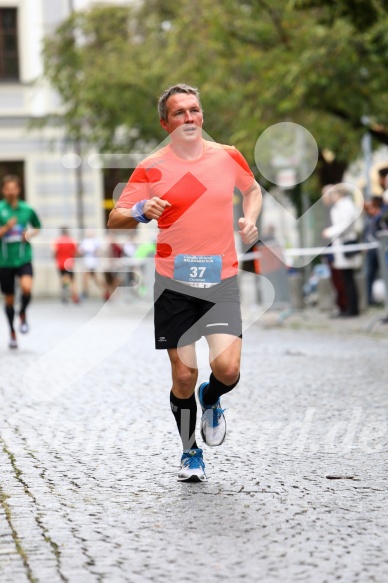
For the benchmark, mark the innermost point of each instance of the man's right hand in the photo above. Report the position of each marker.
(11, 223)
(155, 207)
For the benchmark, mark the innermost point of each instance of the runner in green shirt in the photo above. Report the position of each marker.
(16, 217)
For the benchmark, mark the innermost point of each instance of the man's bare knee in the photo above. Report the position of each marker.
(226, 373)
(184, 377)
(184, 381)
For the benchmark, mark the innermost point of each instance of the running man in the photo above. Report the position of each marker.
(16, 216)
(65, 251)
(187, 187)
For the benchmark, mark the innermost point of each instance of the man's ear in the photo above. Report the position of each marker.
(163, 123)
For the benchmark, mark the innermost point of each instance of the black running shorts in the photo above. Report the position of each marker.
(8, 274)
(66, 272)
(183, 314)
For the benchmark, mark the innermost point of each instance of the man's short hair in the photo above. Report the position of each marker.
(11, 178)
(377, 201)
(383, 172)
(173, 90)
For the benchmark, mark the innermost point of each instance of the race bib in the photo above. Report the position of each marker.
(198, 270)
(14, 235)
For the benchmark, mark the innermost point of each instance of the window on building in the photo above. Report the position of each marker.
(9, 58)
(14, 167)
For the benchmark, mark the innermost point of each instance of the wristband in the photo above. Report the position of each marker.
(137, 212)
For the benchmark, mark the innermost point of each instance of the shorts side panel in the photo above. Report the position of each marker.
(225, 315)
(222, 318)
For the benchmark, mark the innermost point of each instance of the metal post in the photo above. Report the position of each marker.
(366, 145)
(79, 193)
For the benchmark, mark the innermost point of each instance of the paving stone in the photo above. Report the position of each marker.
(297, 493)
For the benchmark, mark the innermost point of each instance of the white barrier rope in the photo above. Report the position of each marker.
(299, 252)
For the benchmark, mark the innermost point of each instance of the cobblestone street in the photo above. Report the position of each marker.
(90, 454)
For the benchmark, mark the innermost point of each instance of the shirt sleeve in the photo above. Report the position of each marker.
(136, 189)
(244, 175)
(34, 220)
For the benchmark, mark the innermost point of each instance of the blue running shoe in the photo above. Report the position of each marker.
(213, 423)
(192, 466)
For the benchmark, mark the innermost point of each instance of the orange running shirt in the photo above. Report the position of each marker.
(200, 220)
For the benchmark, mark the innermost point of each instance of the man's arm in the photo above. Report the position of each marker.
(252, 203)
(8, 226)
(36, 225)
(29, 233)
(121, 218)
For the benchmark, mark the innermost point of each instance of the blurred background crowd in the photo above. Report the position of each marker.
(79, 83)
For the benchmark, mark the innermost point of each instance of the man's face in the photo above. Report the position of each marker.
(383, 181)
(11, 191)
(184, 117)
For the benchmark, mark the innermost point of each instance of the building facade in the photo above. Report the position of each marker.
(52, 183)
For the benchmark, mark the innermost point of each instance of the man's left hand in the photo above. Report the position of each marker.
(29, 233)
(248, 233)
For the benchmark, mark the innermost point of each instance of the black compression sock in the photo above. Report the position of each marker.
(10, 312)
(215, 389)
(185, 413)
(25, 300)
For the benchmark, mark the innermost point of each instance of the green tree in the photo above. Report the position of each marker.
(321, 64)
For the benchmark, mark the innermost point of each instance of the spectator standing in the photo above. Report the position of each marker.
(383, 181)
(372, 210)
(343, 231)
(336, 276)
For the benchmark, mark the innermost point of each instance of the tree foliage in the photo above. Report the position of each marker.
(319, 63)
